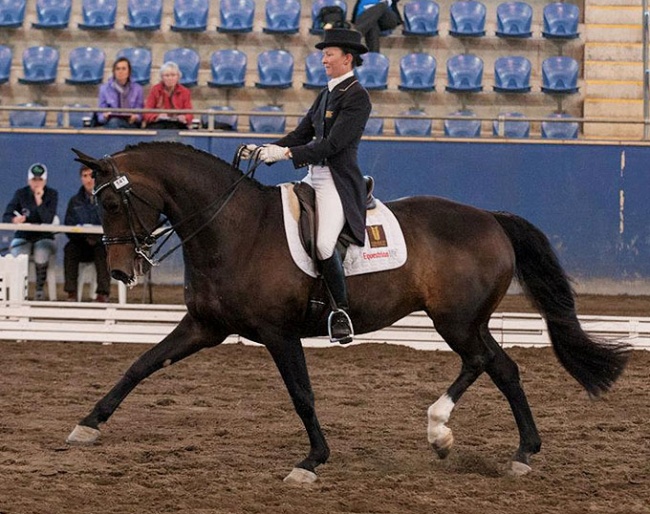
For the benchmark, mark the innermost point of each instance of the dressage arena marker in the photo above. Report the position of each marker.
(137, 323)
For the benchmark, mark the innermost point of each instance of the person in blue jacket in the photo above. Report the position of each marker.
(83, 210)
(35, 203)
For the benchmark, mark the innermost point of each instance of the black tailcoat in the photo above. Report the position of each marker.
(329, 134)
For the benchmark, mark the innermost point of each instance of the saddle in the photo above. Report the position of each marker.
(307, 218)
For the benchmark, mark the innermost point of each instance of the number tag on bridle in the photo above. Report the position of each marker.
(120, 182)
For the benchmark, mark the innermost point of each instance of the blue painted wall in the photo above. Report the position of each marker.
(590, 199)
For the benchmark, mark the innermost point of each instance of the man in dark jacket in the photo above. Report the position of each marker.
(83, 210)
(327, 139)
(35, 203)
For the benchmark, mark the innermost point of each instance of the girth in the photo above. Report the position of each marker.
(307, 219)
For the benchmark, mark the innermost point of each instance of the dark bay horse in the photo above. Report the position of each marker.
(240, 279)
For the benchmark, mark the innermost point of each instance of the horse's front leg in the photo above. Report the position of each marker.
(187, 338)
(289, 357)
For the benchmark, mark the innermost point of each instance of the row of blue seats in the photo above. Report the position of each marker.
(421, 17)
(460, 124)
(275, 69)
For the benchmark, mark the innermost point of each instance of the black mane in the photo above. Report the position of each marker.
(174, 145)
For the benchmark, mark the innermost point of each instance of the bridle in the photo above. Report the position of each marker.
(145, 241)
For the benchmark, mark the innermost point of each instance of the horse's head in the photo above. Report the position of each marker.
(130, 211)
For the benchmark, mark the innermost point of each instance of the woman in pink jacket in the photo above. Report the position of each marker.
(168, 94)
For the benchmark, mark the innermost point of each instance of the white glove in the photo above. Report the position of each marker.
(273, 153)
(247, 151)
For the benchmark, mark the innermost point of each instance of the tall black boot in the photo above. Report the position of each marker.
(41, 276)
(339, 323)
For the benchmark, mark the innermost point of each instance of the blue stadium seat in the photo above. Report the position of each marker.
(512, 74)
(188, 61)
(413, 127)
(86, 66)
(98, 14)
(190, 15)
(221, 121)
(144, 15)
(282, 17)
(514, 19)
(12, 13)
(421, 18)
(373, 74)
(236, 16)
(460, 127)
(140, 59)
(561, 21)
(75, 118)
(417, 72)
(28, 119)
(511, 128)
(228, 68)
(52, 14)
(275, 69)
(560, 75)
(6, 56)
(467, 19)
(374, 126)
(558, 129)
(316, 6)
(464, 74)
(315, 71)
(268, 124)
(39, 65)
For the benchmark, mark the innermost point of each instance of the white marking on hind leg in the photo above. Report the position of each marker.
(438, 434)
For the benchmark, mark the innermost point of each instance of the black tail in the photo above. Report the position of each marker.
(594, 364)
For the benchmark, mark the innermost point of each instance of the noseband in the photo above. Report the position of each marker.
(144, 242)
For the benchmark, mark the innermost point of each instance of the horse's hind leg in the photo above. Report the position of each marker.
(505, 374)
(289, 357)
(465, 340)
(186, 339)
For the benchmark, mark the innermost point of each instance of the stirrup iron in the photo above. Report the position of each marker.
(343, 340)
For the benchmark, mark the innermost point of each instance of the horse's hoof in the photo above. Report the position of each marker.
(442, 445)
(300, 476)
(82, 435)
(519, 469)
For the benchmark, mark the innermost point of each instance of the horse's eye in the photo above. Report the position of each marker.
(110, 206)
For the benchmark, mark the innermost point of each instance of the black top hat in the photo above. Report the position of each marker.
(343, 38)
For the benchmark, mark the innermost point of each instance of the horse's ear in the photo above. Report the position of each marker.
(92, 163)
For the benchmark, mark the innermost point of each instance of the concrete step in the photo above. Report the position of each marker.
(631, 33)
(591, 3)
(625, 89)
(613, 51)
(612, 131)
(614, 14)
(613, 108)
(615, 70)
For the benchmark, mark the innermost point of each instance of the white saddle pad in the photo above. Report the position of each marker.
(384, 247)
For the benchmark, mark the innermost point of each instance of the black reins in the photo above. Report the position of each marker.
(145, 242)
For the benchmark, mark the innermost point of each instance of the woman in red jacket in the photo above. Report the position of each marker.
(168, 94)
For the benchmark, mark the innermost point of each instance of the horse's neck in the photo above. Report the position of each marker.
(220, 215)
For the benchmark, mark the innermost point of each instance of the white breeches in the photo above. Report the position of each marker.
(329, 210)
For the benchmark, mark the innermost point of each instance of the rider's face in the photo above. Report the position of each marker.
(336, 62)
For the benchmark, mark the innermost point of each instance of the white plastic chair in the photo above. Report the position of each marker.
(88, 275)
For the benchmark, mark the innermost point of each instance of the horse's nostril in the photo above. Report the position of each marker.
(120, 275)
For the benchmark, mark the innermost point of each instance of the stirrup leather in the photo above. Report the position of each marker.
(343, 339)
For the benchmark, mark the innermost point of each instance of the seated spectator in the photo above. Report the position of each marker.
(35, 203)
(372, 17)
(120, 92)
(83, 210)
(168, 94)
